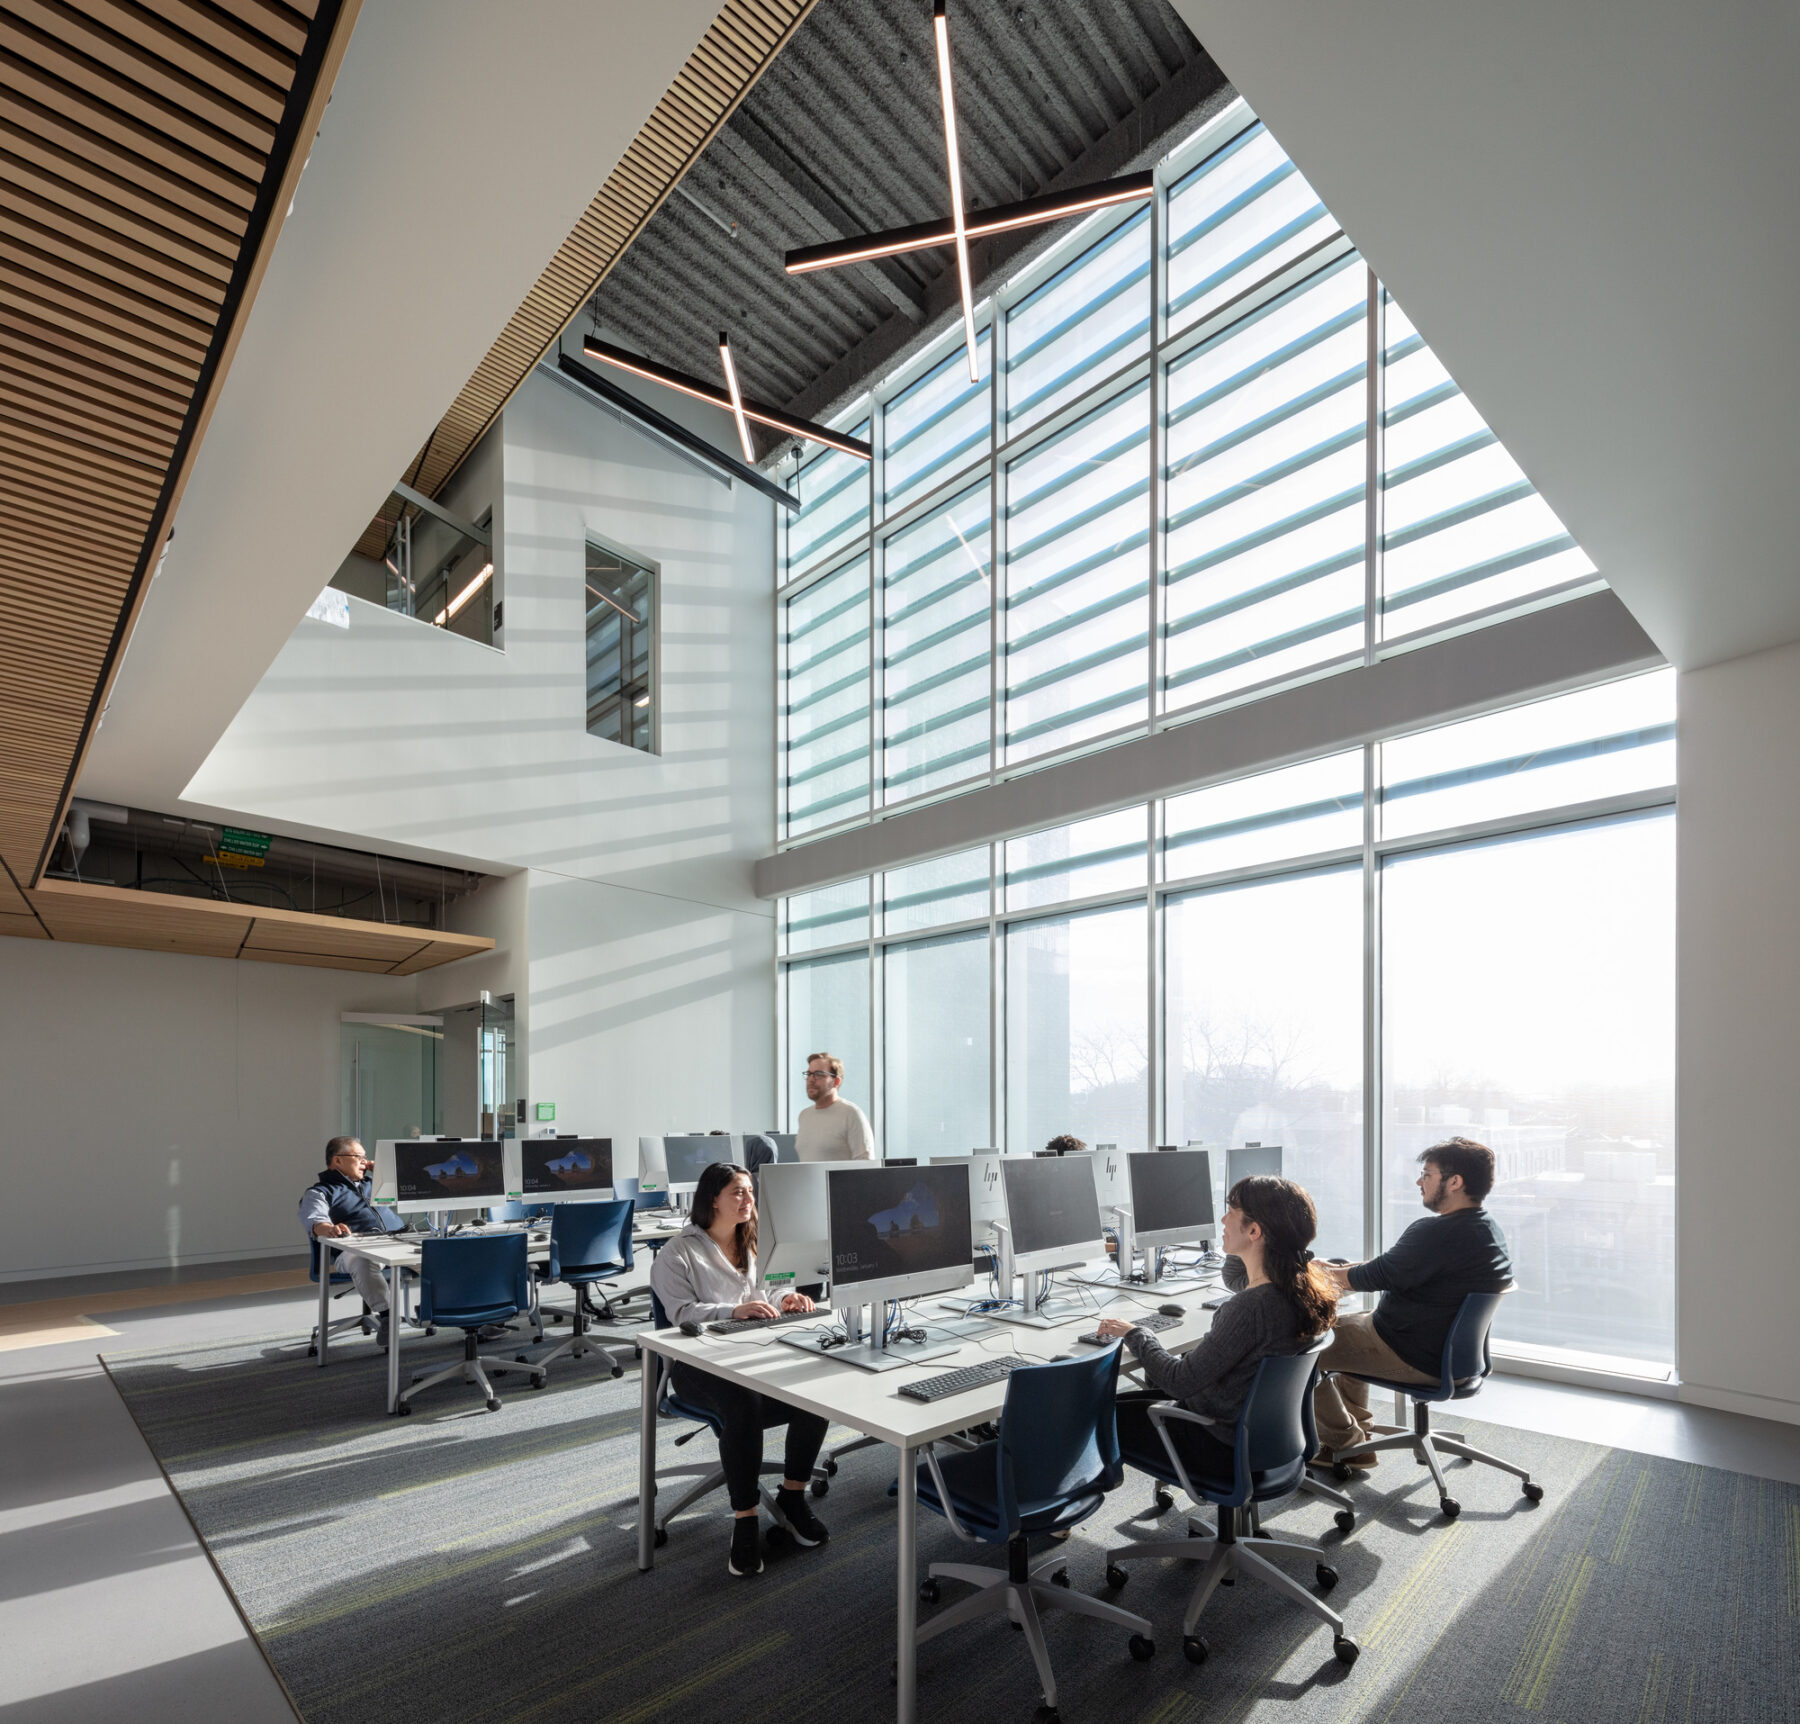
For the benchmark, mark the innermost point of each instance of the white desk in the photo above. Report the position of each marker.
(871, 1403)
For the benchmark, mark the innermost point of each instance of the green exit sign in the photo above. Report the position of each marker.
(546, 1112)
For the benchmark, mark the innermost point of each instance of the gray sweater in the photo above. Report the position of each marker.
(1214, 1378)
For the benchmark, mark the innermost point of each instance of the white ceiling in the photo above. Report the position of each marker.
(462, 143)
(1591, 213)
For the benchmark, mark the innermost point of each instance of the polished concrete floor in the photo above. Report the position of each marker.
(110, 1608)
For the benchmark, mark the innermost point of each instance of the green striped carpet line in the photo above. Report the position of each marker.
(461, 1564)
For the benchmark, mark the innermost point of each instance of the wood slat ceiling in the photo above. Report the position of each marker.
(148, 150)
(738, 48)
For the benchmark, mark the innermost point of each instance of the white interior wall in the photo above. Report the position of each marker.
(1738, 1184)
(164, 1109)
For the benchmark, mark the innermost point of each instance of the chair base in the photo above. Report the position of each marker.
(708, 1479)
(467, 1369)
(579, 1343)
(1426, 1445)
(1021, 1594)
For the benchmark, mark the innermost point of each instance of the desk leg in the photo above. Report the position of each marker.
(650, 1366)
(906, 1663)
(394, 1326)
(324, 1298)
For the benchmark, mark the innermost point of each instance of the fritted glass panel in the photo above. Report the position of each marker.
(1266, 527)
(1263, 1034)
(1529, 1004)
(937, 600)
(1607, 741)
(1077, 1030)
(937, 426)
(934, 1031)
(1462, 527)
(1084, 323)
(831, 916)
(931, 894)
(1242, 214)
(1077, 581)
(828, 1013)
(833, 489)
(1299, 810)
(825, 700)
(1107, 854)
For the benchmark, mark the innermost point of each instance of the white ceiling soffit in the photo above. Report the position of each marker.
(1589, 211)
(462, 144)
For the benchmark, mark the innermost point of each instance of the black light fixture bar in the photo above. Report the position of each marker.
(788, 423)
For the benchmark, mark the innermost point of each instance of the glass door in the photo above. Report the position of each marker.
(388, 1075)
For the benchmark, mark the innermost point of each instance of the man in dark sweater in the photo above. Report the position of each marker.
(1422, 1279)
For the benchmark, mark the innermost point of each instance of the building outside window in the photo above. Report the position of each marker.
(621, 648)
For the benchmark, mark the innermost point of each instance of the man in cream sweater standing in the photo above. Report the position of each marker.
(832, 1129)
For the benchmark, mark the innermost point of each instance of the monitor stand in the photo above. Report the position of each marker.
(869, 1353)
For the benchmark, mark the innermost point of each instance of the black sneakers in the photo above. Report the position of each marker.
(807, 1528)
(746, 1547)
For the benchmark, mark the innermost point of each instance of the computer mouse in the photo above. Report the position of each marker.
(690, 1328)
(1171, 1310)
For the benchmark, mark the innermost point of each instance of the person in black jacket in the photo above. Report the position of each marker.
(337, 1203)
(1422, 1278)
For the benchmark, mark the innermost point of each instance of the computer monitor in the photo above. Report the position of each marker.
(1171, 1198)
(899, 1161)
(1252, 1161)
(987, 1197)
(1051, 1211)
(686, 1158)
(897, 1232)
(653, 1174)
(452, 1173)
(1111, 1187)
(793, 1226)
(566, 1169)
(787, 1146)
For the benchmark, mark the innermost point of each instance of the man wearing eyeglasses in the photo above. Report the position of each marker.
(831, 1129)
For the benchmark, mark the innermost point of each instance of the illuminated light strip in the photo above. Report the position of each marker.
(737, 399)
(773, 417)
(940, 25)
(468, 592)
(1005, 218)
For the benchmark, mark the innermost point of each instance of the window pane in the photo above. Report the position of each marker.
(929, 894)
(1076, 1030)
(832, 916)
(1242, 214)
(1298, 811)
(937, 593)
(1106, 854)
(1264, 1039)
(1077, 581)
(936, 426)
(825, 700)
(1462, 527)
(1266, 493)
(621, 622)
(935, 1044)
(1085, 322)
(833, 489)
(1529, 1003)
(1605, 741)
(828, 1012)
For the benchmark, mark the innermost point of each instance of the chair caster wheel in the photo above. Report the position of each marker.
(831, 1468)
(494, 1405)
(519, 1358)
(431, 1328)
(1346, 1520)
(1194, 1531)
(1346, 1649)
(1018, 1628)
(618, 1371)
(930, 1592)
(404, 1410)
(1340, 1470)
(1164, 1502)
(661, 1538)
(1060, 1577)
(1115, 1576)
(1451, 1507)
(1326, 1576)
(1194, 1649)
(820, 1487)
(312, 1352)
(1533, 1492)
(1142, 1649)
(539, 1380)
(1047, 1715)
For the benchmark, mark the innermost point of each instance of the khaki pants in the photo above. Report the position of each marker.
(1341, 1404)
(367, 1278)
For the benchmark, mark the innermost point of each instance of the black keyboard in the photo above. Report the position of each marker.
(1155, 1324)
(737, 1325)
(960, 1381)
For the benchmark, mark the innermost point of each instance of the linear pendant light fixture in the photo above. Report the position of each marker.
(965, 225)
(731, 399)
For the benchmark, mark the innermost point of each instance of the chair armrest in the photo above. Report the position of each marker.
(943, 1491)
(1160, 1414)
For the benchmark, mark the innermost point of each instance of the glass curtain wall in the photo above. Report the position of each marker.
(1208, 456)
(1464, 930)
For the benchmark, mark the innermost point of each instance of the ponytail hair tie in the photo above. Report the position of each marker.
(1306, 1255)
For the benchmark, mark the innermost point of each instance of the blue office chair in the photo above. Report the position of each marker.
(1056, 1457)
(1270, 1448)
(590, 1243)
(1464, 1367)
(467, 1283)
(339, 1278)
(670, 1405)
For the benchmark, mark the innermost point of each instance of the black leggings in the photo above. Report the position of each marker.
(1202, 1453)
(743, 1417)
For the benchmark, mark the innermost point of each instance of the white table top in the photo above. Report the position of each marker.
(870, 1401)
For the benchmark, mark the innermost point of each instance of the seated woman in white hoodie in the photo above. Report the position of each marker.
(708, 1272)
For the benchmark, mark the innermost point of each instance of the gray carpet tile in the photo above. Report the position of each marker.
(461, 1564)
